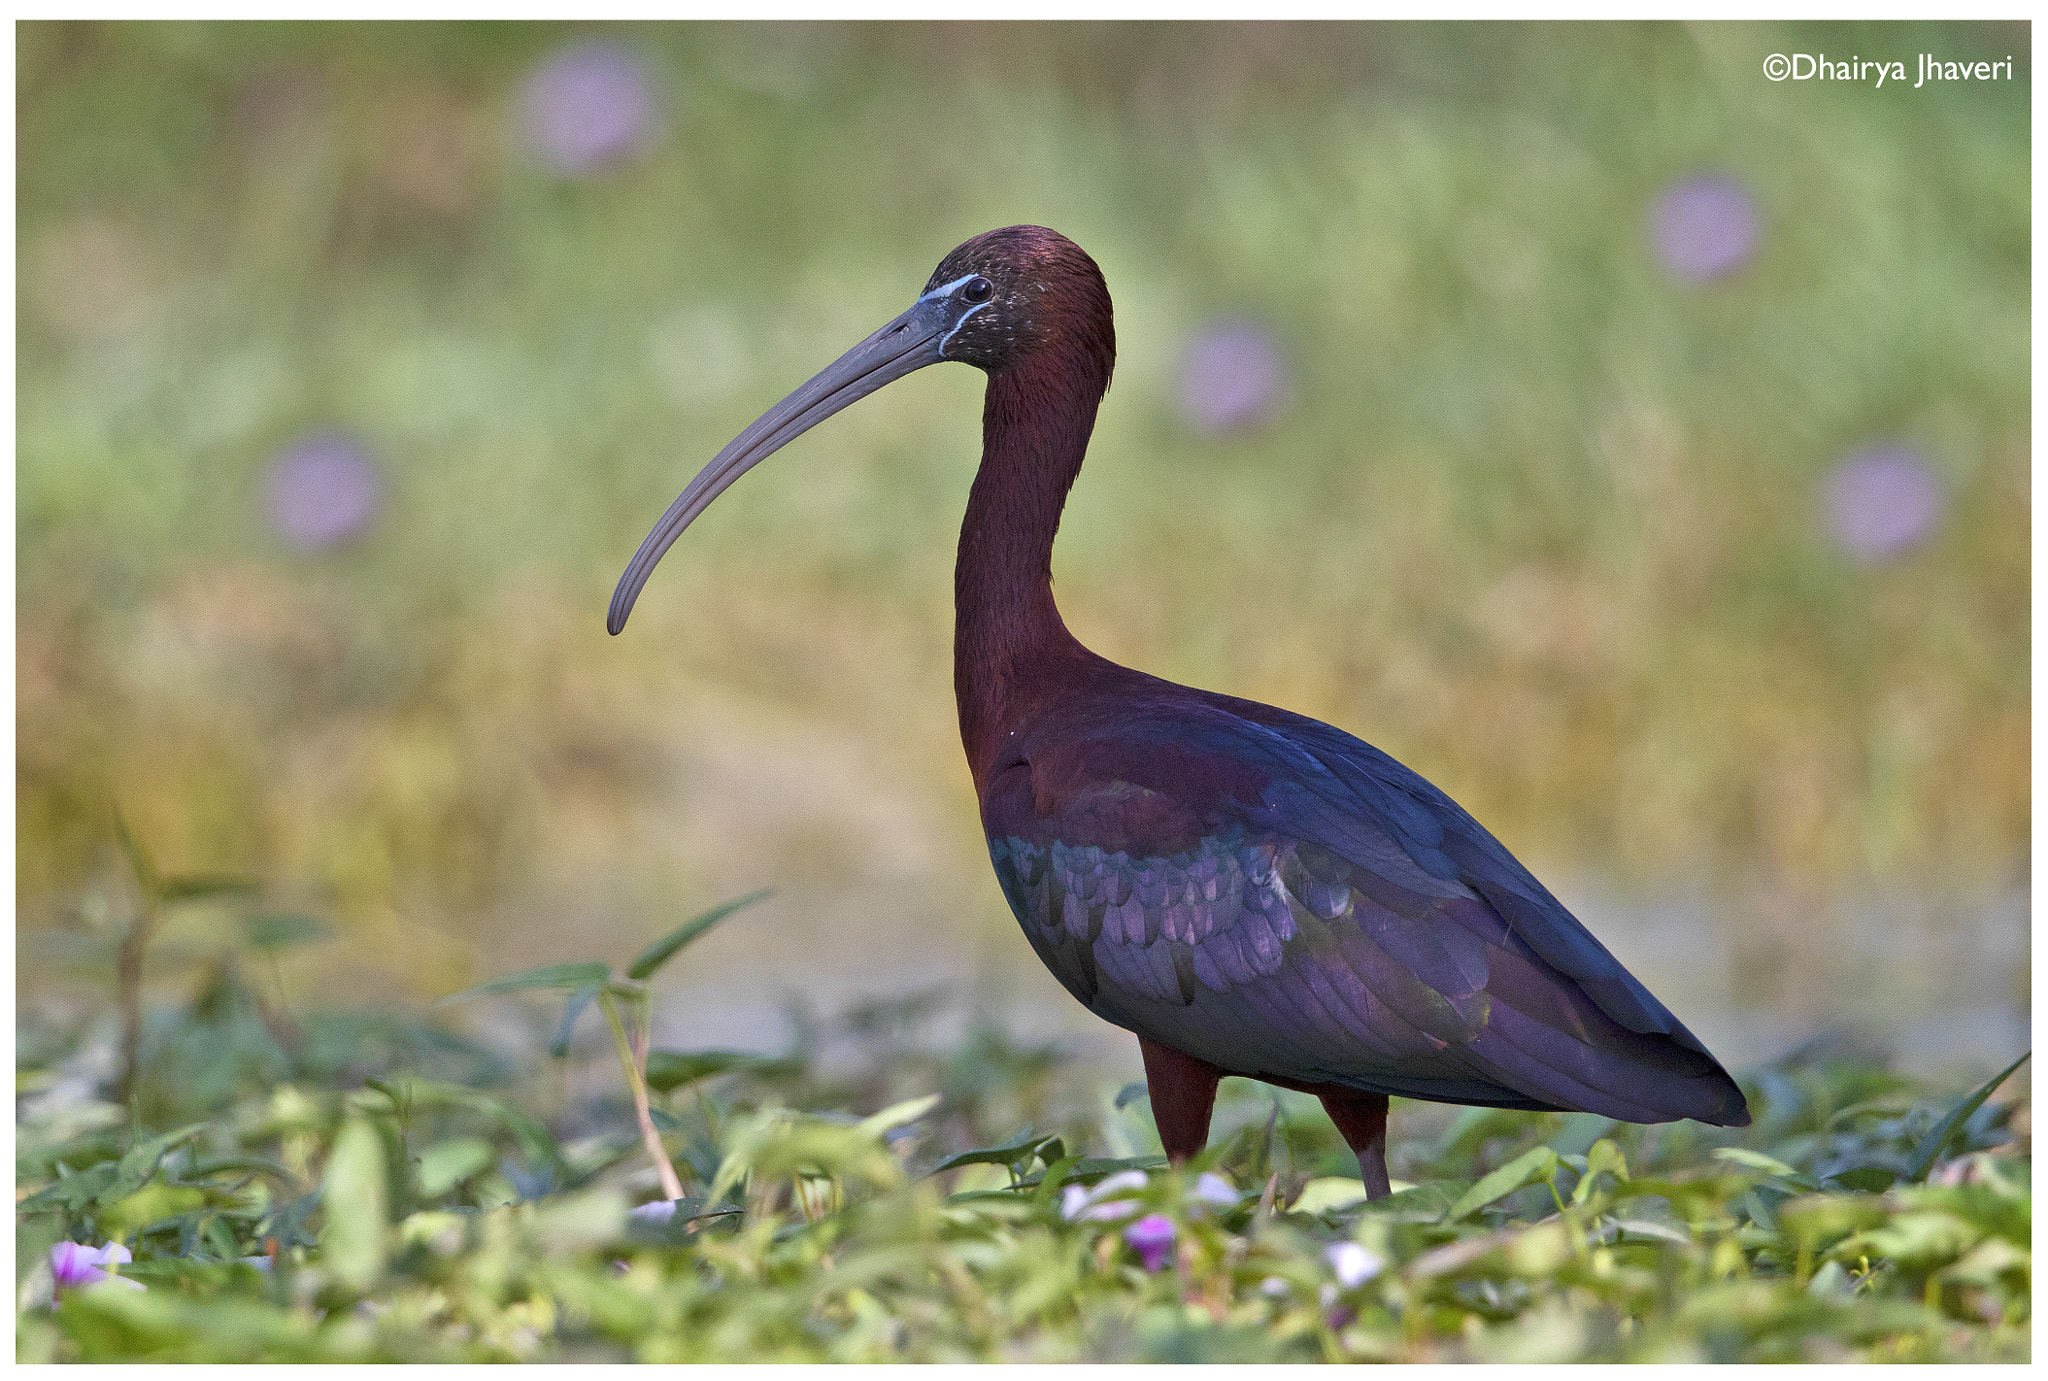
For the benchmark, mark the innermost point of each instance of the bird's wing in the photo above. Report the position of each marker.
(1277, 897)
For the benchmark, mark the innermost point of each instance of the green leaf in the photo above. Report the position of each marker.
(674, 1227)
(565, 1223)
(659, 953)
(898, 1114)
(561, 977)
(72, 1193)
(1864, 1179)
(534, 1140)
(287, 1222)
(1014, 1153)
(1755, 1160)
(448, 1163)
(578, 1002)
(273, 932)
(672, 1069)
(1931, 1146)
(1602, 1155)
(150, 1204)
(242, 1161)
(1062, 1169)
(199, 888)
(353, 1192)
(141, 1161)
(1539, 1163)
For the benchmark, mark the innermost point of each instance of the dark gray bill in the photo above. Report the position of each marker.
(912, 341)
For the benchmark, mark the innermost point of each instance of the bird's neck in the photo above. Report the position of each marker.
(1010, 646)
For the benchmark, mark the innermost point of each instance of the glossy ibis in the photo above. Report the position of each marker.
(1247, 890)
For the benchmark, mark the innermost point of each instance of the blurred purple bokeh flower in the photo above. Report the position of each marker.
(587, 105)
(322, 489)
(73, 1264)
(1232, 377)
(1152, 1238)
(1705, 227)
(1882, 502)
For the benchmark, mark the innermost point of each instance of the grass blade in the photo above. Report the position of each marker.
(200, 887)
(1525, 1169)
(1930, 1147)
(662, 950)
(562, 977)
(894, 1116)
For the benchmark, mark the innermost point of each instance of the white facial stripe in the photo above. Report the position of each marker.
(945, 290)
(961, 322)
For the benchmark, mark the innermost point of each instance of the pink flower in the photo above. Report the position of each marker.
(74, 1264)
(1152, 1238)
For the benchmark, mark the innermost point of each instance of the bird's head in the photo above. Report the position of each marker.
(1027, 292)
(1003, 301)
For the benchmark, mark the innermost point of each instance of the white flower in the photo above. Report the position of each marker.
(1212, 1188)
(1353, 1263)
(1078, 1204)
(1275, 1287)
(660, 1211)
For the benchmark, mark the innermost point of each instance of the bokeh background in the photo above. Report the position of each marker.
(1637, 447)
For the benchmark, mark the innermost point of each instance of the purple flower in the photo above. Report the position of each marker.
(1152, 1238)
(73, 1264)
(588, 105)
(322, 489)
(1212, 1188)
(1705, 227)
(1882, 502)
(1232, 377)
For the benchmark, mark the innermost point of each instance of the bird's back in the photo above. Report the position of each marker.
(1274, 896)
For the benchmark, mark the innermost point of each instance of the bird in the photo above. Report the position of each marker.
(1249, 891)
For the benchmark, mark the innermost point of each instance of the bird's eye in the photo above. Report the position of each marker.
(977, 289)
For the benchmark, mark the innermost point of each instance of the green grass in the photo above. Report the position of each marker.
(365, 1186)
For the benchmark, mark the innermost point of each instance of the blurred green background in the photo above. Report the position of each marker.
(1633, 445)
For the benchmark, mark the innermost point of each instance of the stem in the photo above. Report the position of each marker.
(129, 981)
(631, 1054)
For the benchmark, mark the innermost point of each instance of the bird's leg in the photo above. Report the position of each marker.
(1183, 1091)
(1362, 1119)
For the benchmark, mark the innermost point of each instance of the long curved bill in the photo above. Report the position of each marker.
(910, 342)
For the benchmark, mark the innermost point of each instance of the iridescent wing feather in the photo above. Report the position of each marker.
(1348, 925)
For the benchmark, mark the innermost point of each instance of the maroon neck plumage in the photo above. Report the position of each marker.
(1010, 646)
